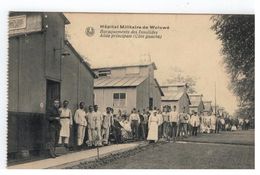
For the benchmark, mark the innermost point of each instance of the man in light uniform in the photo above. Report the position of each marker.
(134, 120)
(91, 126)
(106, 124)
(66, 123)
(80, 120)
(184, 120)
(98, 119)
(174, 122)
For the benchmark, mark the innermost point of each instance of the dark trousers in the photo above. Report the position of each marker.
(183, 129)
(135, 129)
(143, 128)
(194, 131)
(174, 129)
(54, 134)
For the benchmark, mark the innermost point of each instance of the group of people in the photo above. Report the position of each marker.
(61, 120)
(95, 128)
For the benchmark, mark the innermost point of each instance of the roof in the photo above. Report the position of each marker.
(160, 89)
(195, 103)
(108, 82)
(124, 66)
(173, 96)
(174, 85)
(64, 18)
(195, 95)
(86, 64)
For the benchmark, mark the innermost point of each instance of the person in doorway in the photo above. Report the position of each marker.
(153, 124)
(134, 121)
(53, 116)
(80, 120)
(66, 123)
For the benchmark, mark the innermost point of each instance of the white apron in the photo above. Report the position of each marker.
(65, 122)
(153, 128)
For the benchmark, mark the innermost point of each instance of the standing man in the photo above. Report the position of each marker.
(195, 122)
(53, 116)
(160, 127)
(134, 121)
(98, 122)
(80, 120)
(143, 124)
(165, 125)
(91, 126)
(66, 123)
(184, 119)
(106, 124)
(174, 122)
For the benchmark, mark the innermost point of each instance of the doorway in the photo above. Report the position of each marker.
(53, 92)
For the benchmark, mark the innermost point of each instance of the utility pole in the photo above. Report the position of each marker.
(215, 99)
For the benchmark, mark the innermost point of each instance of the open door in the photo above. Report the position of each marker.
(53, 92)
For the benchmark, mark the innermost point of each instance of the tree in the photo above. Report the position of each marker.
(178, 76)
(237, 33)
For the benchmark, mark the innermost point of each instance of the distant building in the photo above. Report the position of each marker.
(42, 67)
(176, 95)
(127, 87)
(207, 107)
(197, 104)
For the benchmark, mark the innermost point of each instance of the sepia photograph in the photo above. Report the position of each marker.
(92, 90)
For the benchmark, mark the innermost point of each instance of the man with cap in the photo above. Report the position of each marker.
(53, 116)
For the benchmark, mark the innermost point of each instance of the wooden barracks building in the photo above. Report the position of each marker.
(42, 66)
(127, 87)
(197, 104)
(176, 95)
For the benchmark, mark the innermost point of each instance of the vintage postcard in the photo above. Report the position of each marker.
(131, 90)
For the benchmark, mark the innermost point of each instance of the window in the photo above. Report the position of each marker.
(104, 73)
(132, 70)
(119, 99)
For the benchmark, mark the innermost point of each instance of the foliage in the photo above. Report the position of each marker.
(237, 33)
(178, 76)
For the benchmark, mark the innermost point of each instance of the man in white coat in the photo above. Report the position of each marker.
(80, 120)
(66, 123)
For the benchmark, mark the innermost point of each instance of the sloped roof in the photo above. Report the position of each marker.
(124, 66)
(195, 103)
(158, 86)
(84, 62)
(172, 96)
(108, 82)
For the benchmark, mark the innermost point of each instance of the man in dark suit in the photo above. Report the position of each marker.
(53, 116)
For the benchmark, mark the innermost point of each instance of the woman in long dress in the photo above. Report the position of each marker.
(153, 123)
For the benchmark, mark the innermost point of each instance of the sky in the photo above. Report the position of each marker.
(189, 44)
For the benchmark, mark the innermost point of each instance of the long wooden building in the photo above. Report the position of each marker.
(42, 66)
(127, 87)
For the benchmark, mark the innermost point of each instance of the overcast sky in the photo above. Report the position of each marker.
(189, 44)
